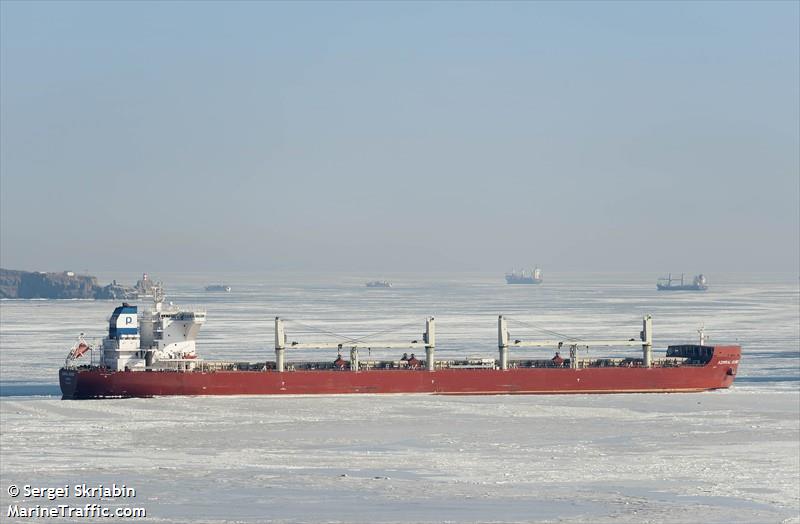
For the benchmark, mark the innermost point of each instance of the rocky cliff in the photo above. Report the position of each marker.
(27, 284)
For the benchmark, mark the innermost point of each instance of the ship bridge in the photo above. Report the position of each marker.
(164, 335)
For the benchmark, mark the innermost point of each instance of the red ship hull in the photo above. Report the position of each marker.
(718, 372)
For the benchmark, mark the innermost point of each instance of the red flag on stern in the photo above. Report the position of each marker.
(80, 350)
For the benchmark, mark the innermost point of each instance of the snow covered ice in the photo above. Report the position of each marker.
(725, 456)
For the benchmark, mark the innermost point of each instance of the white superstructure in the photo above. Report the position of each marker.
(159, 338)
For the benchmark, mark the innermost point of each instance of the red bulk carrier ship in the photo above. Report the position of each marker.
(153, 354)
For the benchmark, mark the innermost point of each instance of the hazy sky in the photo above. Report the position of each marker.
(383, 136)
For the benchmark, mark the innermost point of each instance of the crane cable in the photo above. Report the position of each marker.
(321, 331)
(385, 332)
(350, 339)
(544, 330)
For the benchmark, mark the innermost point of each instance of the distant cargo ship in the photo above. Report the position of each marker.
(154, 354)
(534, 276)
(219, 287)
(379, 283)
(677, 284)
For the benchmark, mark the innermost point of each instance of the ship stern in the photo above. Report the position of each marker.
(68, 381)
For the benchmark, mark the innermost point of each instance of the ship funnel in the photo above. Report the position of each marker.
(123, 322)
